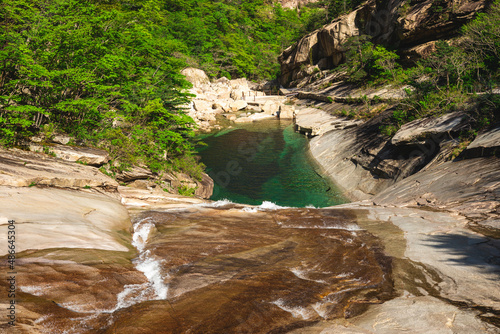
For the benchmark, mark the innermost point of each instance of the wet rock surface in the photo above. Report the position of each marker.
(229, 270)
(208, 270)
(220, 267)
(421, 256)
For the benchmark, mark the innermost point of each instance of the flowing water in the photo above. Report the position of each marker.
(266, 161)
(229, 270)
(216, 268)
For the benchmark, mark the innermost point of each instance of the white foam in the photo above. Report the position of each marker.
(216, 204)
(321, 308)
(152, 270)
(348, 227)
(302, 274)
(266, 205)
(295, 311)
(155, 288)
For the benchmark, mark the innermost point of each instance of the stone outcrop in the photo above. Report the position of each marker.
(24, 169)
(292, 4)
(314, 122)
(413, 27)
(202, 188)
(84, 155)
(134, 173)
(486, 144)
(418, 131)
(366, 164)
(196, 76)
(470, 187)
(56, 218)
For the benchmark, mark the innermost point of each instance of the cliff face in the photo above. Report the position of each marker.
(410, 26)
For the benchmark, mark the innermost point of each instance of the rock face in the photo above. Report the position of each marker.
(202, 188)
(24, 169)
(196, 76)
(134, 173)
(412, 27)
(84, 155)
(313, 122)
(295, 3)
(470, 187)
(417, 131)
(486, 144)
(365, 163)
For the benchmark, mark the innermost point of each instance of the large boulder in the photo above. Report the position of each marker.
(271, 107)
(196, 76)
(238, 105)
(202, 105)
(418, 131)
(486, 144)
(240, 83)
(202, 188)
(410, 26)
(287, 111)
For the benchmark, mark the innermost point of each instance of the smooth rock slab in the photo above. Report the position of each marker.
(56, 218)
(135, 173)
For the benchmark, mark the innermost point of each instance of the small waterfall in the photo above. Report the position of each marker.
(155, 288)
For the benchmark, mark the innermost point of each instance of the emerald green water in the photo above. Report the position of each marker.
(266, 161)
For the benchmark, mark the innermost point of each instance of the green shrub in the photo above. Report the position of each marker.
(185, 190)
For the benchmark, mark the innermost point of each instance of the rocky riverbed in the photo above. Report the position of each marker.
(93, 256)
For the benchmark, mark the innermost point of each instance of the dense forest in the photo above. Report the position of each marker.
(108, 72)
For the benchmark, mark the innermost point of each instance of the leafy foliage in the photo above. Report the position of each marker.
(108, 73)
(366, 62)
(237, 39)
(76, 67)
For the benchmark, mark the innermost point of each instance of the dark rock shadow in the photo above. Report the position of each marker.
(469, 250)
